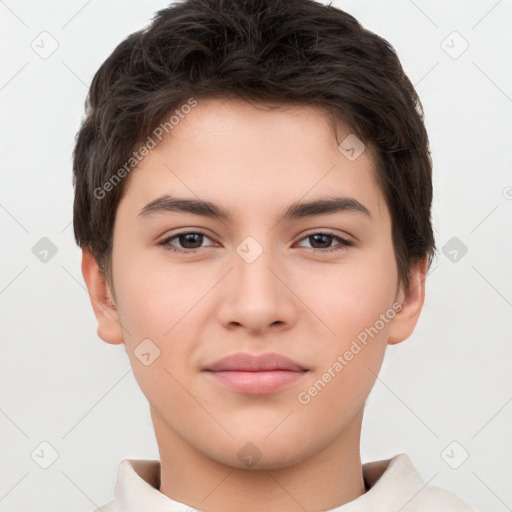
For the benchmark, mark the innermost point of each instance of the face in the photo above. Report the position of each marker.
(315, 285)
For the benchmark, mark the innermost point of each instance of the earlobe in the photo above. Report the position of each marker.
(412, 299)
(109, 328)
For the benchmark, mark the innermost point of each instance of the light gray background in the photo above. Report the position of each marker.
(451, 381)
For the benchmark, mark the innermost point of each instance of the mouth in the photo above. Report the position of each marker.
(256, 375)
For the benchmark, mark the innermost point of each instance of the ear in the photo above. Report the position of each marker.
(109, 328)
(412, 299)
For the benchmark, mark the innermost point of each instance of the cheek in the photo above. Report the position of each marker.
(157, 302)
(356, 305)
(154, 307)
(154, 296)
(352, 296)
(358, 311)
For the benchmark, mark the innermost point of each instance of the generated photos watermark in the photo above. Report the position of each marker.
(151, 142)
(305, 397)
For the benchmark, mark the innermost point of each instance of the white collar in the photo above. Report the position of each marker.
(393, 483)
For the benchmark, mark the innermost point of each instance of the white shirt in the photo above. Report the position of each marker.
(394, 485)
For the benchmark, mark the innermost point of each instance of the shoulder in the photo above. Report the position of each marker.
(435, 498)
(137, 482)
(397, 483)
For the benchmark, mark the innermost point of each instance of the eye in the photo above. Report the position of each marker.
(191, 241)
(324, 240)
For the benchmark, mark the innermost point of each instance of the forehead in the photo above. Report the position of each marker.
(254, 157)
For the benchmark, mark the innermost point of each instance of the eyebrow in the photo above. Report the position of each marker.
(296, 210)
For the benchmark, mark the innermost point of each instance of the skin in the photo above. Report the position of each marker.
(294, 299)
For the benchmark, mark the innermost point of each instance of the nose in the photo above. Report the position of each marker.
(258, 296)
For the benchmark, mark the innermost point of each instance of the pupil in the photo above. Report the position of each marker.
(189, 238)
(315, 237)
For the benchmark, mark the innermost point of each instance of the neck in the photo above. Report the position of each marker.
(326, 480)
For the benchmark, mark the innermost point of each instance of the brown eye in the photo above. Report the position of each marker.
(323, 242)
(189, 241)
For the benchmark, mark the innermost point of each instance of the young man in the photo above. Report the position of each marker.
(253, 194)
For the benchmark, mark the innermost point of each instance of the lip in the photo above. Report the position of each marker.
(242, 362)
(256, 375)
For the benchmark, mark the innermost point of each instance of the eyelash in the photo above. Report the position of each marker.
(343, 243)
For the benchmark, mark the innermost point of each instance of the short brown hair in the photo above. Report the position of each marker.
(286, 50)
